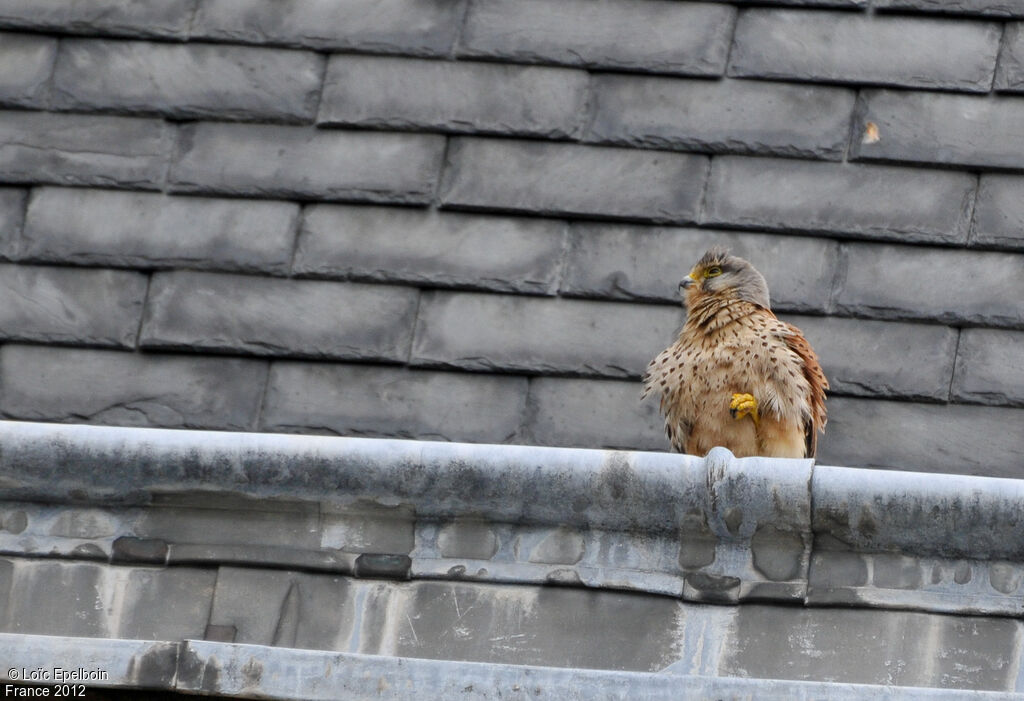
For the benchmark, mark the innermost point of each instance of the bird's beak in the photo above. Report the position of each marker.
(686, 282)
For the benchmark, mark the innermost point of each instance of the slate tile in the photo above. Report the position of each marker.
(841, 47)
(577, 413)
(952, 438)
(986, 8)
(462, 96)
(868, 358)
(75, 149)
(999, 212)
(663, 37)
(366, 400)
(28, 63)
(544, 336)
(567, 179)
(630, 262)
(293, 609)
(1010, 72)
(167, 19)
(956, 287)
(568, 626)
(90, 600)
(49, 597)
(269, 160)
(171, 603)
(188, 81)
(129, 389)
(12, 217)
(64, 305)
(926, 127)
(150, 230)
(990, 367)
(266, 316)
(722, 116)
(906, 204)
(414, 27)
(426, 247)
(800, 639)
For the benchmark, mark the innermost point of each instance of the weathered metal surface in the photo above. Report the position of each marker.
(912, 540)
(47, 659)
(256, 671)
(242, 670)
(945, 515)
(73, 463)
(310, 543)
(716, 529)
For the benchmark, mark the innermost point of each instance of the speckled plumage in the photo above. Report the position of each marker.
(733, 344)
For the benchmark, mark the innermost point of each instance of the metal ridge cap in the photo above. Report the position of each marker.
(861, 509)
(617, 490)
(874, 510)
(717, 529)
(948, 515)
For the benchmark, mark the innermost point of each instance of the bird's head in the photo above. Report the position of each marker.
(723, 276)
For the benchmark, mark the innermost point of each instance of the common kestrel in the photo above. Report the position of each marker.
(737, 376)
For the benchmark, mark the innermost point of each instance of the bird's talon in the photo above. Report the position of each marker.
(743, 405)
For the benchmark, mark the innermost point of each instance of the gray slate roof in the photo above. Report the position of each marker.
(465, 219)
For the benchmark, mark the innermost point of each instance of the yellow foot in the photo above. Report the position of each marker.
(743, 405)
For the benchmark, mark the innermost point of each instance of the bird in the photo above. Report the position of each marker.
(737, 376)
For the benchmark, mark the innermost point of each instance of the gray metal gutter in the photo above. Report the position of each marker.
(717, 529)
(257, 671)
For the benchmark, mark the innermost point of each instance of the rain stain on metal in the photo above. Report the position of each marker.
(252, 672)
(617, 474)
(778, 555)
(134, 549)
(196, 674)
(89, 551)
(561, 546)
(1004, 577)
(15, 522)
(156, 667)
(469, 539)
(962, 573)
(712, 583)
(867, 524)
(564, 576)
(696, 551)
(383, 565)
(734, 520)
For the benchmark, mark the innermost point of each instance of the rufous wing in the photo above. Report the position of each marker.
(816, 378)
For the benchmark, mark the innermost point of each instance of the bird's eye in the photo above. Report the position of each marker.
(713, 272)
